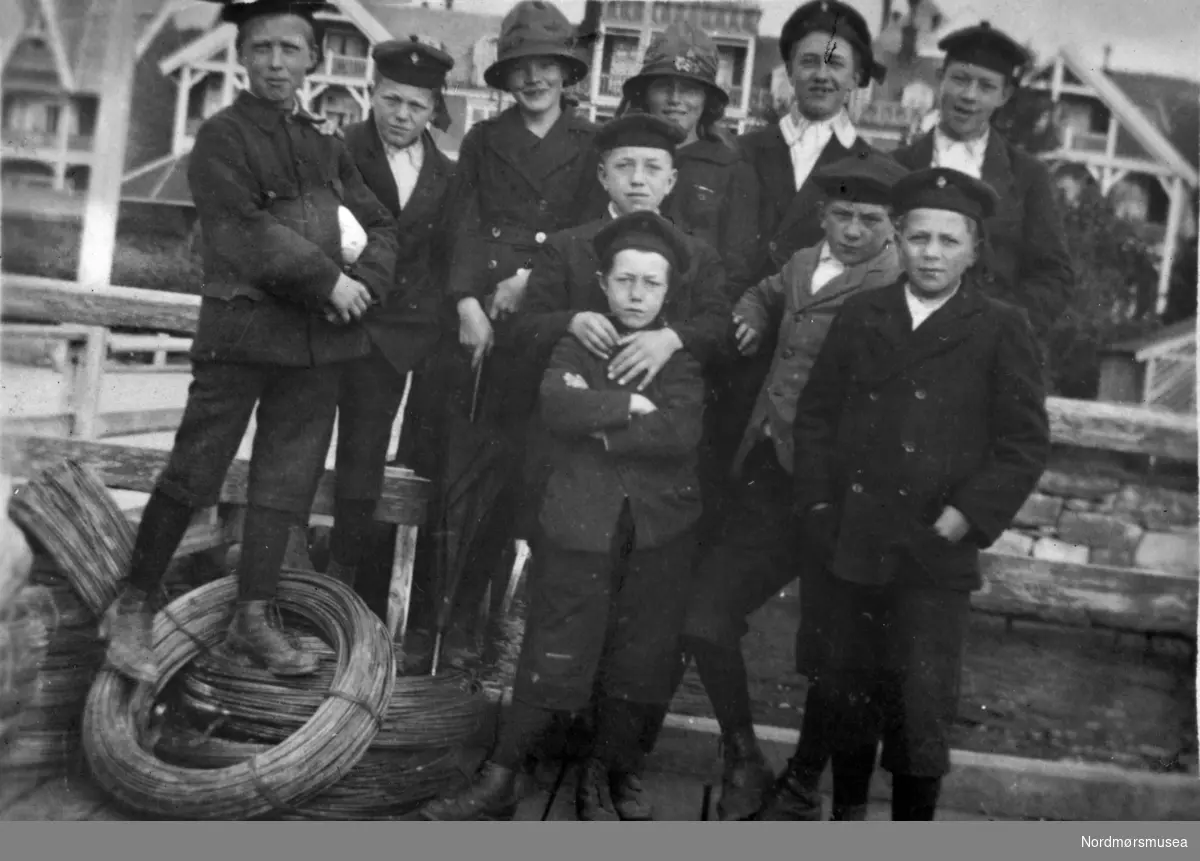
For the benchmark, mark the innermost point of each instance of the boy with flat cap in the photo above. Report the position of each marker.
(401, 164)
(618, 517)
(754, 553)
(920, 434)
(279, 319)
(1026, 257)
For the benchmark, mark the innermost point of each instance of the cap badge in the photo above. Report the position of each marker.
(941, 182)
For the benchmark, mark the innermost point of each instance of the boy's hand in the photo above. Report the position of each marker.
(748, 339)
(644, 353)
(509, 294)
(595, 332)
(474, 330)
(952, 525)
(640, 405)
(350, 299)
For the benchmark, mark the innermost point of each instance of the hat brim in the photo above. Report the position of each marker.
(577, 68)
(632, 85)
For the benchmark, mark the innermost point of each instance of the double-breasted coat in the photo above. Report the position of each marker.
(1026, 261)
(715, 200)
(896, 424)
(267, 186)
(407, 326)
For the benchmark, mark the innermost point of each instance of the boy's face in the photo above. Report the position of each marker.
(401, 111)
(856, 232)
(277, 52)
(824, 74)
(936, 246)
(637, 178)
(636, 286)
(969, 96)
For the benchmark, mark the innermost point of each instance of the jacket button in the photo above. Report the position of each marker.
(909, 447)
(874, 396)
(539, 238)
(856, 487)
(771, 246)
(491, 264)
(496, 232)
(903, 492)
(920, 394)
(543, 205)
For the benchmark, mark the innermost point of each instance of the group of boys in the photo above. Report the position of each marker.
(899, 427)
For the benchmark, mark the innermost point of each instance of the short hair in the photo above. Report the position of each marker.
(606, 154)
(606, 264)
(244, 29)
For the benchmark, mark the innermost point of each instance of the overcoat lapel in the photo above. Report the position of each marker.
(509, 140)
(805, 199)
(997, 167)
(894, 347)
(376, 171)
(426, 195)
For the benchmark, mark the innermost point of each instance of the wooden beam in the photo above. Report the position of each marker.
(128, 467)
(52, 300)
(1120, 427)
(1123, 599)
(1170, 244)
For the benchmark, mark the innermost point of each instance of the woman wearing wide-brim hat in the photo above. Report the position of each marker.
(521, 175)
(715, 197)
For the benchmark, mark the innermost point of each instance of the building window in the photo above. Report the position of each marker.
(479, 113)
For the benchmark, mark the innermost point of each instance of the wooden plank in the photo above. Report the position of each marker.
(41, 331)
(1123, 599)
(1120, 427)
(148, 344)
(127, 467)
(53, 300)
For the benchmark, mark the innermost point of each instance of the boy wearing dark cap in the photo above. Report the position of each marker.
(402, 165)
(755, 553)
(278, 319)
(618, 519)
(1026, 257)
(637, 171)
(920, 434)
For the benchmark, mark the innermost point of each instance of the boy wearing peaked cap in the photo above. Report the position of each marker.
(618, 517)
(279, 319)
(920, 434)
(754, 554)
(402, 165)
(1026, 257)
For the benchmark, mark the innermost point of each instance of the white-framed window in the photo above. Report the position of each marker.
(478, 113)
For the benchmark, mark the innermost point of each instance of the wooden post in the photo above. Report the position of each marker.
(1170, 242)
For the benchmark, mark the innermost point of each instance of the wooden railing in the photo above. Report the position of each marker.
(1073, 594)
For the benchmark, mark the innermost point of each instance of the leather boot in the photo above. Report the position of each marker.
(346, 573)
(629, 797)
(495, 793)
(747, 780)
(129, 627)
(795, 798)
(253, 633)
(593, 796)
(850, 813)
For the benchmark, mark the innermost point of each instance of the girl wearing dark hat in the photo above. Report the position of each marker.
(619, 518)
(522, 175)
(715, 197)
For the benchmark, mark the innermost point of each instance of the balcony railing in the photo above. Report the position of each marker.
(29, 139)
(611, 84)
(1085, 141)
(345, 67)
(889, 114)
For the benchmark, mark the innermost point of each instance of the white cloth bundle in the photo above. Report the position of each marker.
(354, 238)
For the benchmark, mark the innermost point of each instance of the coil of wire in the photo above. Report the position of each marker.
(425, 711)
(280, 779)
(47, 737)
(23, 640)
(385, 784)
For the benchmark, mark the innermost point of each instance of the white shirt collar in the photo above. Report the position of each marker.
(614, 213)
(920, 308)
(966, 156)
(793, 126)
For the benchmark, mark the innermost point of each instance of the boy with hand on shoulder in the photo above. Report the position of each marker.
(618, 518)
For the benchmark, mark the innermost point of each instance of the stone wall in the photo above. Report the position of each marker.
(1085, 511)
